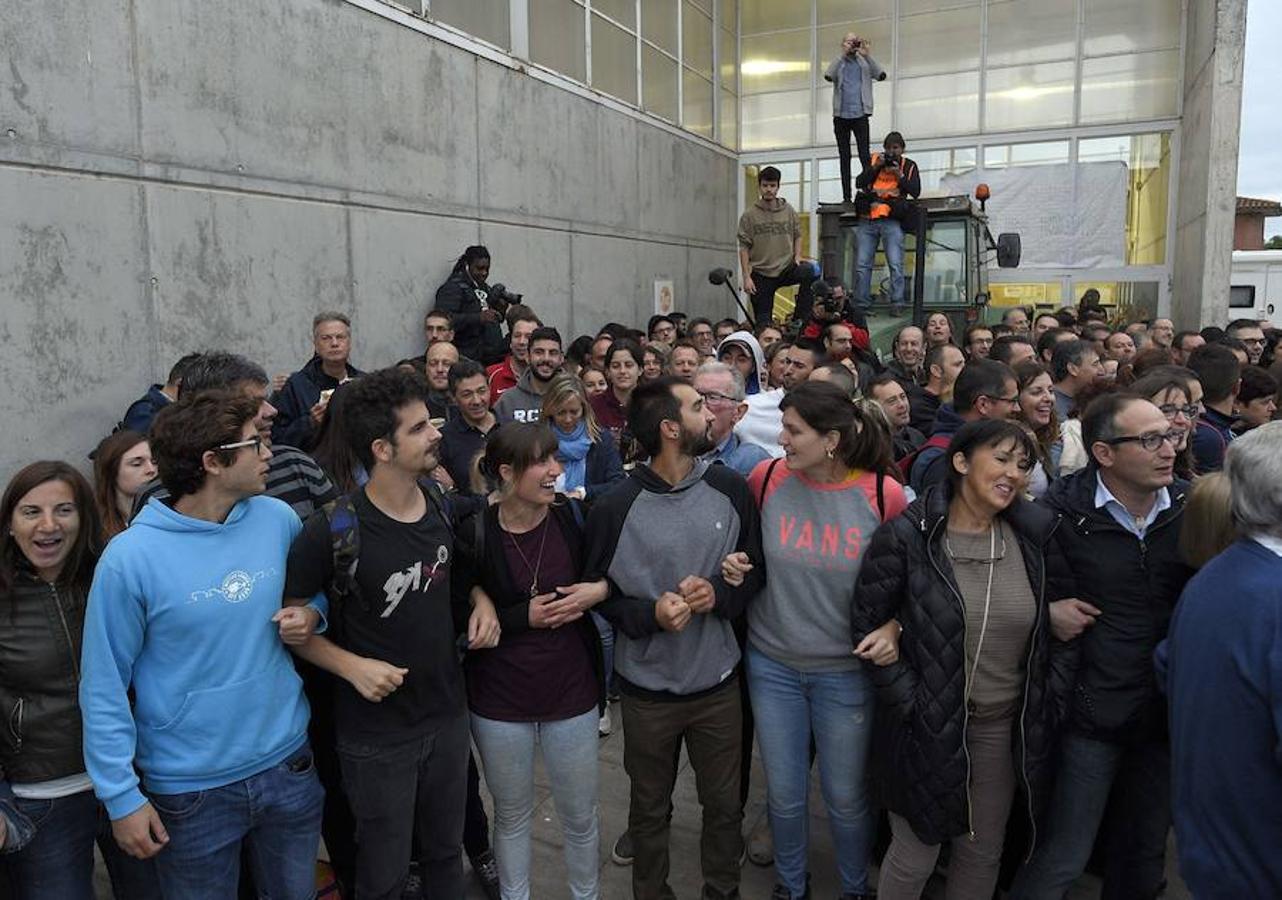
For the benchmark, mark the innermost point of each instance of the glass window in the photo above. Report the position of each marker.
(1148, 164)
(757, 16)
(729, 120)
(622, 11)
(729, 14)
(945, 41)
(938, 105)
(1029, 96)
(729, 61)
(614, 60)
(774, 120)
(659, 83)
(696, 40)
(1126, 88)
(557, 37)
(1132, 300)
(488, 21)
(933, 165)
(1023, 31)
(1113, 27)
(1039, 294)
(659, 23)
(777, 62)
(912, 7)
(696, 103)
(832, 11)
(1041, 153)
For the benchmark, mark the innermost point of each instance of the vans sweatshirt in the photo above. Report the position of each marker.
(180, 609)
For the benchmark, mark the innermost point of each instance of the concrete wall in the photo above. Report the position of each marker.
(182, 175)
(1214, 49)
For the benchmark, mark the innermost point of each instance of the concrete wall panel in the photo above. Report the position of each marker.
(77, 320)
(316, 94)
(58, 61)
(244, 273)
(533, 262)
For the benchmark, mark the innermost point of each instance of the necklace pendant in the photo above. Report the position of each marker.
(534, 590)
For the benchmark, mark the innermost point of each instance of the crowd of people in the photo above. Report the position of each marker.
(323, 605)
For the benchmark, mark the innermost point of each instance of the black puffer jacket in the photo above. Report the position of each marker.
(919, 759)
(1135, 584)
(41, 628)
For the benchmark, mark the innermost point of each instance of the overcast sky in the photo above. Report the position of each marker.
(1259, 172)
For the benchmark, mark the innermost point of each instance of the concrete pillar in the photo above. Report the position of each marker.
(1214, 47)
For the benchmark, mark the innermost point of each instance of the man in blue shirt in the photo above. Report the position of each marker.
(722, 390)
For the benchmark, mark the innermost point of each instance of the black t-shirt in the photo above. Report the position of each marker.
(405, 618)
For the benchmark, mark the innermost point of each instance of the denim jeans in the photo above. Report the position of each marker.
(394, 787)
(837, 708)
(570, 757)
(891, 235)
(58, 863)
(276, 813)
(606, 630)
(1133, 784)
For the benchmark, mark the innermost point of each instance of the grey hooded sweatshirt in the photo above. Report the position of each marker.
(645, 537)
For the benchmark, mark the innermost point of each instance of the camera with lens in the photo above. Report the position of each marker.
(890, 160)
(500, 298)
(826, 304)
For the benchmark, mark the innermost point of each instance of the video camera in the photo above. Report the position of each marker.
(500, 298)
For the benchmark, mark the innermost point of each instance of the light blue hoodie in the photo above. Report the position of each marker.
(181, 609)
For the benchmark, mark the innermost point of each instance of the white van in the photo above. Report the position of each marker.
(1255, 288)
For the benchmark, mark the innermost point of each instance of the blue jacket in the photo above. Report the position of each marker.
(140, 413)
(603, 468)
(738, 454)
(1211, 438)
(929, 467)
(1221, 667)
(180, 611)
(294, 402)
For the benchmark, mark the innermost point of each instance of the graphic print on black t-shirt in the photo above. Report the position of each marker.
(404, 579)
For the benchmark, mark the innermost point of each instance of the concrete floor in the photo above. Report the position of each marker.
(548, 879)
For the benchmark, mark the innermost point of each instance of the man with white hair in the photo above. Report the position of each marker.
(1223, 678)
(721, 387)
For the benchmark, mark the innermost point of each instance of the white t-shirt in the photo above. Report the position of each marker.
(763, 421)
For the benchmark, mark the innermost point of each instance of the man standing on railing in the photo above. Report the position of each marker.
(770, 251)
(885, 186)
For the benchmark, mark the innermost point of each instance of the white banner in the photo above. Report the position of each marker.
(1067, 216)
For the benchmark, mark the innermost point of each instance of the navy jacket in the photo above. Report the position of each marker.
(1221, 668)
(930, 468)
(140, 413)
(1211, 439)
(603, 468)
(294, 402)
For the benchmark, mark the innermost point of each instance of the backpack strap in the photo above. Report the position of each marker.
(345, 545)
(765, 482)
(936, 441)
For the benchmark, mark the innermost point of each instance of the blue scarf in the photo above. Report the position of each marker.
(574, 453)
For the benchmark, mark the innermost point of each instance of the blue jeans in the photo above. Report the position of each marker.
(407, 792)
(58, 863)
(1133, 784)
(570, 757)
(891, 235)
(606, 630)
(837, 708)
(276, 813)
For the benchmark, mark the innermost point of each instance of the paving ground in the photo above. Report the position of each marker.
(548, 879)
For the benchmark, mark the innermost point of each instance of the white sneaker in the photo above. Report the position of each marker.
(605, 726)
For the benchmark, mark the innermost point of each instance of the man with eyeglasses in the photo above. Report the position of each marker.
(662, 329)
(195, 720)
(721, 388)
(985, 389)
(1249, 332)
(1120, 522)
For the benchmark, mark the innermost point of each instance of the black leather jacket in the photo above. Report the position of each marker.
(40, 638)
(919, 758)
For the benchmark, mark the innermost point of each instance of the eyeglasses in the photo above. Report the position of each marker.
(1150, 441)
(256, 442)
(716, 397)
(1170, 410)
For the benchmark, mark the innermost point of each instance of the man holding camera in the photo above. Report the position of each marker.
(885, 186)
(770, 251)
(852, 74)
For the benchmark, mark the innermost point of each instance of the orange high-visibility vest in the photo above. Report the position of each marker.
(886, 185)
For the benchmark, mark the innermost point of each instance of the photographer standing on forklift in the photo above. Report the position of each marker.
(770, 251)
(885, 211)
(852, 74)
